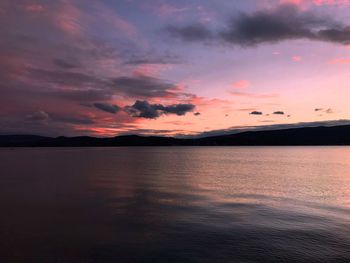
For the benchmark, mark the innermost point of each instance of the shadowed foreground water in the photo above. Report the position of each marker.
(189, 204)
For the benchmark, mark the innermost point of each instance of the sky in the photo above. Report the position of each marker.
(174, 68)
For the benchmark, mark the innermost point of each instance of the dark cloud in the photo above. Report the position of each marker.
(329, 110)
(38, 116)
(279, 113)
(85, 87)
(144, 109)
(143, 87)
(178, 109)
(196, 113)
(83, 95)
(110, 108)
(191, 33)
(283, 23)
(65, 64)
(338, 35)
(153, 60)
(44, 117)
(63, 77)
(286, 22)
(77, 120)
(256, 113)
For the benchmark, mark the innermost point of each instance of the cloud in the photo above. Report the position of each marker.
(82, 95)
(331, 2)
(144, 109)
(317, 2)
(80, 86)
(143, 86)
(65, 64)
(42, 116)
(168, 10)
(241, 84)
(196, 113)
(246, 109)
(278, 113)
(77, 120)
(328, 111)
(178, 109)
(256, 113)
(253, 95)
(110, 108)
(190, 33)
(33, 7)
(297, 58)
(286, 22)
(340, 61)
(153, 59)
(63, 77)
(38, 116)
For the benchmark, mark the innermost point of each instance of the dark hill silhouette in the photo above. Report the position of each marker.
(336, 135)
(22, 140)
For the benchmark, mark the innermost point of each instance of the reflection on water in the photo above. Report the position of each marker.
(179, 204)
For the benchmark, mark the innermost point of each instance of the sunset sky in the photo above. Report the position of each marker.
(109, 67)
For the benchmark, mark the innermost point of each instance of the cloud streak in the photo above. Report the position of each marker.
(253, 95)
(110, 108)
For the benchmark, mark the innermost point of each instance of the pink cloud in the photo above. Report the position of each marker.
(340, 61)
(297, 58)
(247, 109)
(244, 84)
(205, 14)
(150, 69)
(241, 84)
(294, 2)
(331, 2)
(34, 7)
(304, 3)
(166, 10)
(253, 95)
(76, 21)
(70, 19)
(116, 21)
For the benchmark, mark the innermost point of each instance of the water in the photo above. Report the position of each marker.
(180, 204)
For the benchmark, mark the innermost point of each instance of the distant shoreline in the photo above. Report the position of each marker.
(306, 136)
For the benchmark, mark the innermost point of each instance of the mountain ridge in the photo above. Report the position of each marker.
(321, 135)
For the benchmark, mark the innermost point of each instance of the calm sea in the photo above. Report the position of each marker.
(176, 204)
